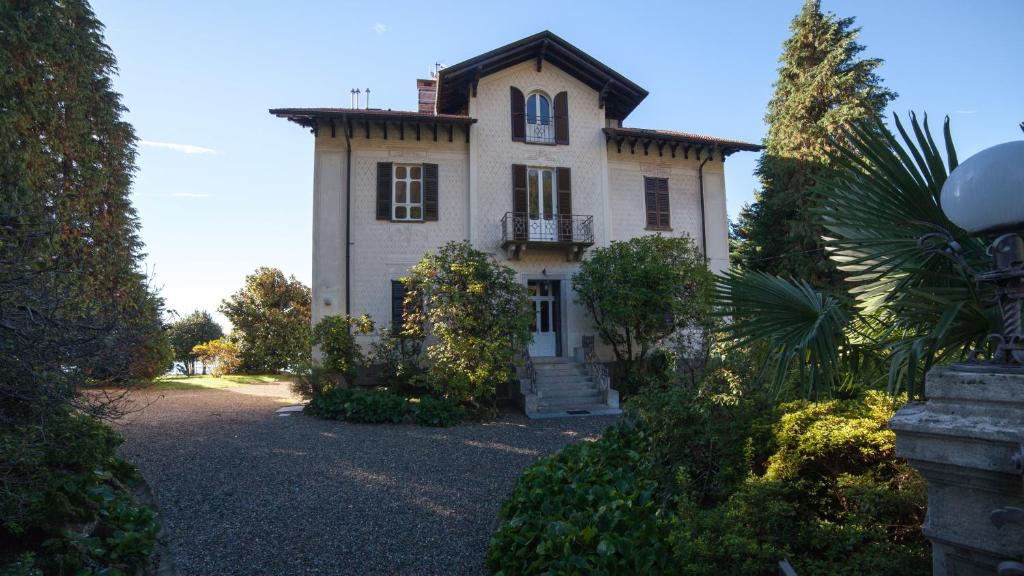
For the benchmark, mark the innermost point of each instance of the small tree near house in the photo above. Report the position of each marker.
(476, 312)
(641, 291)
(187, 333)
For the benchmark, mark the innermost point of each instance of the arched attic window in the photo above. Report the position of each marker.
(540, 125)
(539, 119)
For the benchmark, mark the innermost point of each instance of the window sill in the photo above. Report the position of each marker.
(659, 228)
(409, 221)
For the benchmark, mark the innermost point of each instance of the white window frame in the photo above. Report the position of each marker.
(408, 205)
(538, 132)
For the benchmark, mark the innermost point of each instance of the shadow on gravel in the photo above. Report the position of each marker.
(243, 491)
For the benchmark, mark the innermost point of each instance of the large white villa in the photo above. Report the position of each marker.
(521, 151)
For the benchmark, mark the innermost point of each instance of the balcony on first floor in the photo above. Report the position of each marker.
(572, 233)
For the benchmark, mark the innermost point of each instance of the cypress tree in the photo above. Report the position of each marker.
(823, 87)
(74, 307)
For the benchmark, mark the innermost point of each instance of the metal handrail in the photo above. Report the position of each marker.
(530, 369)
(598, 371)
(555, 228)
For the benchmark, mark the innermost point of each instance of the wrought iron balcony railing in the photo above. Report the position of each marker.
(540, 131)
(523, 227)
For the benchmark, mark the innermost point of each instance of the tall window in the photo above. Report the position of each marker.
(656, 200)
(407, 185)
(540, 126)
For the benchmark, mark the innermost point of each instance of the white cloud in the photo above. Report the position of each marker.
(379, 28)
(970, 111)
(186, 148)
(188, 195)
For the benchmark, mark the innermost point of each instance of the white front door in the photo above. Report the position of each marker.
(545, 320)
(543, 201)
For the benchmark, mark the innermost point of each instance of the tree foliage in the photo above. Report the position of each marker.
(823, 88)
(220, 354)
(642, 290)
(271, 318)
(916, 302)
(339, 351)
(191, 331)
(75, 310)
(477, 313)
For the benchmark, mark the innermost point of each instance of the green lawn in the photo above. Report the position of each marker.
(179, 382)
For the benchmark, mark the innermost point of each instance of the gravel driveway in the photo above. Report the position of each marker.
(242, 490)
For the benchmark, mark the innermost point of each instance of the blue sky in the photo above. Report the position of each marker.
(223, 187)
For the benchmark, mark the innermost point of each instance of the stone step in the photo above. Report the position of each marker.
(575, 385)
(560, 369)
(580, 409)
(553, 395)
(567, 379)
(568, 403)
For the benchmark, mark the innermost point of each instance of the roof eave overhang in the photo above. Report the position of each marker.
(618, 95)
(350, 120)
(671, 143)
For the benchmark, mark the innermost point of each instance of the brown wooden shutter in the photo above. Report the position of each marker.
(518, 115)
(663, 211)
(520, 205)
(562, 118)
(430, 208)
(656, 201)
(397, 305)
(384, 190)
(564, 184)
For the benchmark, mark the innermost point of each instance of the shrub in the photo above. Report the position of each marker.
(186, 333)
(833, 500)
(399, 357)
(64, 498)
(335, 335)
(433, 411)
(589, 509)
(221, 354)
(640, 291)
(477, 312)
(360, 405)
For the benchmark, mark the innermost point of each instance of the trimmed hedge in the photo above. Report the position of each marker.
(373, 406)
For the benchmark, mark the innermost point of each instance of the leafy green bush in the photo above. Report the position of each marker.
(833, 500)
(64, 504)
(434, 411)
(714, 439)
(335, 335)
(478, 314)
(359, 405)
(590, 509)
(399, 357)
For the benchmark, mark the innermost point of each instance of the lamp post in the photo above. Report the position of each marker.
(985, 197)
(967, 440)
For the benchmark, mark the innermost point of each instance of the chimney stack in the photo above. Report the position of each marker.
(428, 95)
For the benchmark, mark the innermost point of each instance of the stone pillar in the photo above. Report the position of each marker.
(966, 442)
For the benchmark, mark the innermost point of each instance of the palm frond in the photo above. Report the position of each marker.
(804, 329)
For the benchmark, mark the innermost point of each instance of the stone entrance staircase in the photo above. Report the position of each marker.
(562, 387)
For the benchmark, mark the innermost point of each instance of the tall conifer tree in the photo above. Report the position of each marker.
(74, 307)
(823, 87)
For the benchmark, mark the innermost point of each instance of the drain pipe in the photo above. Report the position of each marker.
(703, 218)
(348, 219)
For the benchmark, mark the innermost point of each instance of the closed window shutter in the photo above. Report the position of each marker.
(663, 211)
(383, 190)
(518, 115)
(397, 305)
(430, 207)
(564, 182)
(656, 201)
(562, 118)
(519, 202)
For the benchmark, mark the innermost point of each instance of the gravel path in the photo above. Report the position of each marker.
(244, 491)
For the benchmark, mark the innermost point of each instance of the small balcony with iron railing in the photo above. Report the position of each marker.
(540, 130)
(572, 233)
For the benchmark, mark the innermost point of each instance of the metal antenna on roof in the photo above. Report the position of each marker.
(367, 106)
(437, 69)
(358, 92)
(352, 98)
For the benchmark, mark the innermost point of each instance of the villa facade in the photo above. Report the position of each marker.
(522, 152)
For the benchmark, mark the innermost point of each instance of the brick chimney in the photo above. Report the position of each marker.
(428, 95)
